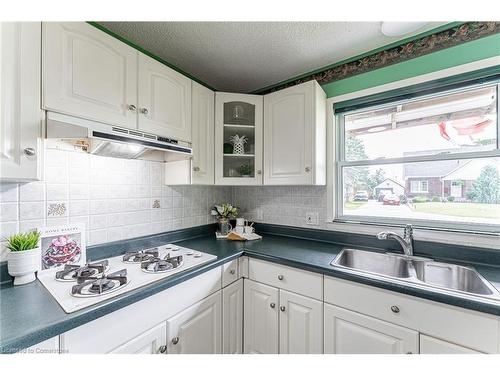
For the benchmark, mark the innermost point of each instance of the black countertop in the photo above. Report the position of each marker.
(29, 314)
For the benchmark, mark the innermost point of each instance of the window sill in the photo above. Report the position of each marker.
(489, 241)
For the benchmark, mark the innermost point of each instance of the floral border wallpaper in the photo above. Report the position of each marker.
(444, 39)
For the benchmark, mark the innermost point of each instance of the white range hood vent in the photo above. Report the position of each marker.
(106, 140)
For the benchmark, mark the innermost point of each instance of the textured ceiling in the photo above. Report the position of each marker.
(246, 56)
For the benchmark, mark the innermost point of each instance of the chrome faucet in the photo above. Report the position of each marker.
(406, 242)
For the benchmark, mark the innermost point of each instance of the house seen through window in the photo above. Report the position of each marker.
(429, 159)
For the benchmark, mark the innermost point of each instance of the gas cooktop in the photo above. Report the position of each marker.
(78, 286)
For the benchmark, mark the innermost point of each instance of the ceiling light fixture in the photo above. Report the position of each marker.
(400, 28)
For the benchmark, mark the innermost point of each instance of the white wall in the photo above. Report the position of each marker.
(115, 198)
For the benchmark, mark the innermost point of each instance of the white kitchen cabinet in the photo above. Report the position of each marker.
(49, 346)
(238, 115)
(295, 136)
(432, 345)
(203, 133)
(152, 341)
(347, 332)
(164, 100)
(21, 118)
(197, 329)
(301, 324)
(88, 73)
(229, 272)
(232, 318)
(260, 318)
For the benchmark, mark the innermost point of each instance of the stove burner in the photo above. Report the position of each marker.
(73, 271)
(140, 256)
(159, 265)
(96, 286)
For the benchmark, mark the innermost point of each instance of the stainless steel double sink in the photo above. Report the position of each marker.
(421, 272)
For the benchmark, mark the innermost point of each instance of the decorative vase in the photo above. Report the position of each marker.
(23, 264)
(224, 226)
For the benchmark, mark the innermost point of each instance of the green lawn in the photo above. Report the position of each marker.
(485, 210)
(353, 205)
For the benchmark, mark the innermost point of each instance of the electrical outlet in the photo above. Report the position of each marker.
(260, 215)
(312, 218)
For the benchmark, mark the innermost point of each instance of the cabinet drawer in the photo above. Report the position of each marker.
(229, 272)
(463, 327)
(299, 281)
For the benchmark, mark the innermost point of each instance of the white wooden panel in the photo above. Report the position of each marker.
(260, 318)
(303, 282)
(148, 342)
(347, 332)
(122, 325)
(197, 329)
(232, 318)
(432, 345)
(49, 346)
(243, 266)
(178, 172)
(166, 95)
(301, 324)
(229, 272)
(203, 117)
(464, 327)
(21, 117)
(88, 73)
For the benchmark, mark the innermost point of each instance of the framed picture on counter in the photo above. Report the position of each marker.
(62, 245)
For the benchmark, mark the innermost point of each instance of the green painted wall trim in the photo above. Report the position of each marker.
(462, 54)
(150, 54)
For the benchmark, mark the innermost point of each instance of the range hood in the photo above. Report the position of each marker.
(113, 141)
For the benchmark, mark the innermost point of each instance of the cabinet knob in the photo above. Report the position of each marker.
(29, 151)
(144, 111)
(409, 352)
(175, 340)
(232, 272)
(280, 277)
(395, 309)
(307, 169)
(273, 305)
(131, 107)
(162, 349)
(259, 171)
(196, 169)
(282, 308)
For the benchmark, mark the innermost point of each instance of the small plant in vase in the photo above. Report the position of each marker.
(23, 257)
(245, 170)
(224, 212)
(238, 143)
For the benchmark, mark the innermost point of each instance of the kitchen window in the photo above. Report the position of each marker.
(430, 160)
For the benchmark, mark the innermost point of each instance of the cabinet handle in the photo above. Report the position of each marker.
(409, 353)
(259, 171)
(307, 169)
(280, 277)
(29, 151)
(395, 309)
(162, 349)
(232, 272)
(175, 340)
(144, 111)
(131, 107)
(282, 308)
(273, 305)
(196, 169)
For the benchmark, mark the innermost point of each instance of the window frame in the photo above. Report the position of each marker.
(341, 162)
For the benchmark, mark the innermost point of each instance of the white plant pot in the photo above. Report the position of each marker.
(23, 264)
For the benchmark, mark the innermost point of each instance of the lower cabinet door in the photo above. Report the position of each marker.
(232, 318)
(301, 324)
(432, 345)
(347, 332)
(150, 342)
(197, 329)
(260, 318)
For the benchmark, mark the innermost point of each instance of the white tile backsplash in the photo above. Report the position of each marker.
(113, 198)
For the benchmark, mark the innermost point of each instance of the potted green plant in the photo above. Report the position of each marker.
(23, 257)
(224, 212)
(245, 170)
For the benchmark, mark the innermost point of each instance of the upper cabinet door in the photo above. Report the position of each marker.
(87, 73)
(295, 136)
(21, 145)
(203, 101)
(164, 100)
(238, 139)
